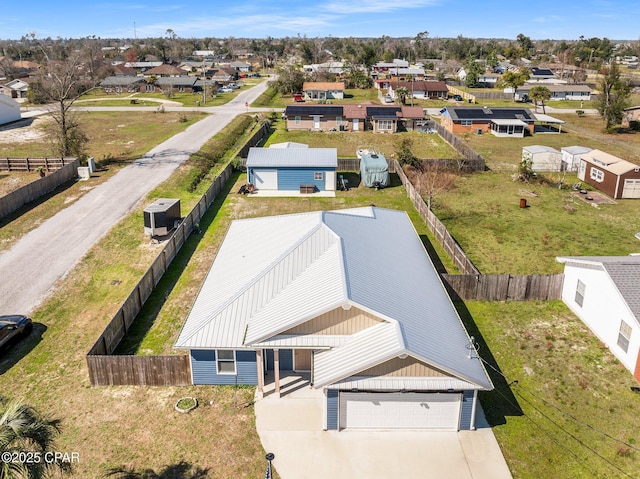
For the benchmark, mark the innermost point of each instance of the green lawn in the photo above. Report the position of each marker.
(558, 392)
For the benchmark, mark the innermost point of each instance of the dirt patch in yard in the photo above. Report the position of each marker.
(24, 131)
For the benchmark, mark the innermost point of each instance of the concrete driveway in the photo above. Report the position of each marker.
(291, 428)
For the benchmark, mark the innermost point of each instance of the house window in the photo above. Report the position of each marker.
(150, 88)
(226, 361)
(466, 122)
(181, 89)
(597, 175)
(318, 176)
(580, 293)
(298, 120)
(624, 336)
(385, 124)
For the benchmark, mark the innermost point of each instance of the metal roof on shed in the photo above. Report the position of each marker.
(293, 157)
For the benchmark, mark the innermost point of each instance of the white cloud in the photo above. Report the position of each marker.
(375, 6)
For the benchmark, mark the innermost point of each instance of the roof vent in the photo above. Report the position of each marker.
(403, 356)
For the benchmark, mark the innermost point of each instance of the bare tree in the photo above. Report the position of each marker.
(431, 178)
(59, 85)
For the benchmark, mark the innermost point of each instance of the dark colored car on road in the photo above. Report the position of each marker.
(13, 327)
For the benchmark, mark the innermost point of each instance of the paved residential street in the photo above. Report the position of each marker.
(43, 256)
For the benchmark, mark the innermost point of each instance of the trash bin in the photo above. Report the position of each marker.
(523, 202)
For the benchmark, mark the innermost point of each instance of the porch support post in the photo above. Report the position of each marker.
(473, 410)
(276, 372)
(260, 371)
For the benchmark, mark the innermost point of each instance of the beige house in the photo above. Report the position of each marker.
(323, 90)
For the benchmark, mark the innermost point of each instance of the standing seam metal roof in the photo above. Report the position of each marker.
(368, 257)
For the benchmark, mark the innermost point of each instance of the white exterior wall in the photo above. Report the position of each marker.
(330, 180)
(570, 160)
(602, 310)
(582, 168)
(545, 161)
(9, 110)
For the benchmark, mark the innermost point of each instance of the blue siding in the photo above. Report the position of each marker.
(465, 410)
(332, 409)
(203, 368)
(286, 360)
(292, 178)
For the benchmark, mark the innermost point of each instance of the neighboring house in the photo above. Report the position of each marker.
(542, 158)
(314, 117)
(240, 67)
(571, 157)
(181, 84)
(348, 298)
(504, 122)
(541, 74)
(558, 92)
(613, 176)
(323, 90)
(333, 68)
(142, 66)
(9, 110)
(293, 169)
(488, 80)
(165, 70)
(420, 89)
(121, 70)
(122, 83)
(630, 114)
(365, 116)
(16, 88)
(603, 292)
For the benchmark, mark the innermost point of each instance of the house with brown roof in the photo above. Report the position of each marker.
(506, 122)
(610, 174)
(365, 116)
(420, 89)
(323, 90)
(165, 70)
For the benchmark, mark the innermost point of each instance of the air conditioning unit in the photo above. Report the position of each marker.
(161, 217)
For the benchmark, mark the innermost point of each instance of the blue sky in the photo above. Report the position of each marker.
(557, 19)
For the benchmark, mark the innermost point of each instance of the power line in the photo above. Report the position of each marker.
(579, 441)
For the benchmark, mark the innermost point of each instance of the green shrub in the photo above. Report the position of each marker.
(205, 159)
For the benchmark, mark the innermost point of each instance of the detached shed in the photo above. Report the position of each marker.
(542, 158)
(374, 170)
(293, 169)
(571, 156)
(9, 110)
(613, 176)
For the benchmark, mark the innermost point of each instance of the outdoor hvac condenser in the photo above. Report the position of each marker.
(161, 216)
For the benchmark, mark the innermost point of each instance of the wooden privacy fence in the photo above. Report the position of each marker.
(255, 139)
(139, 370)
(451, 247)
(34, 190)
(474, 162)
(32, 164)
(146, 369)
(505, 287)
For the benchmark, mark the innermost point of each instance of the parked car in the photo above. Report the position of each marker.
(225, 89)
(388, 99)
(457, 97)
(13, 327)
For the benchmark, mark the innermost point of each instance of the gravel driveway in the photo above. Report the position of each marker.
(72, 232)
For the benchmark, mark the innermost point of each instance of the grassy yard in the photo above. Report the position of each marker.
(423, 145)
(115, 139)
(482, 213)
(558, 392)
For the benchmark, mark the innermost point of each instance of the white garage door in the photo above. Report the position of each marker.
(399, 411)
(265, 179)
(631, 189)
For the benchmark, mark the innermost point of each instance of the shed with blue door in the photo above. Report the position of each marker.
(305, 170)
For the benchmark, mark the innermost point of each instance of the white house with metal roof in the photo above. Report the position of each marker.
(349, 297)
(293, 169)
(603, 292)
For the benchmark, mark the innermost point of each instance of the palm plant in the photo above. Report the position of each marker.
(25, 430)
